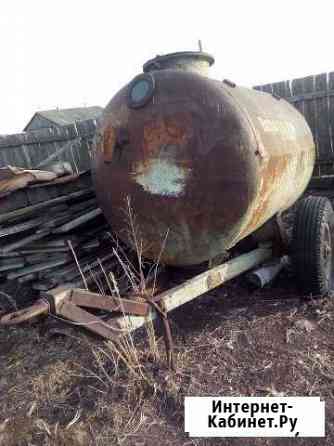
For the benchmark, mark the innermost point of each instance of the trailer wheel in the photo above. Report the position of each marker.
(312, 245)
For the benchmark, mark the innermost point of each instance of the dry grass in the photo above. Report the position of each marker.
(141, 278)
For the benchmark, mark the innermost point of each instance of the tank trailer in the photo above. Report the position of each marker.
(207, 167)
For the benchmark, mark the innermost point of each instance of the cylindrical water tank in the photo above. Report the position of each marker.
(203, 163)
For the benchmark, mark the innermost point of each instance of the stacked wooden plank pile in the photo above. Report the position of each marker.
(52, 231)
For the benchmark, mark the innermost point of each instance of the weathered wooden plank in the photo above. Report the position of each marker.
(11, 260)
(65, 271)
(16, 200)
(45, 285)
(297, 90)
(268, 88)
(101, 230)
(34, 268)
(310, 96)
(59, 242)
(78, 221)
(327, 170)
(39, 257)
(313, 96)
(330, 82)
(92, 244)
(36, 207)
(71, 143)
(91, 278)
(12, 265)
(283, 89)
(9, 255)
(24, 241)
(310, 110)
(24, 218)
(87, 267)
(83, 205)
(59, 154)
(322, 119)
(58, 220)
(85, 128)
(288, 90)
(21, 227)
(27, 278)
(279, 88)
(27, 251)
(60, 180)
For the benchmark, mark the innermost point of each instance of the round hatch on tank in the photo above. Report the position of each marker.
(141, 90)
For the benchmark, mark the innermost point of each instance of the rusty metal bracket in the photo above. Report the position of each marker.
(168, 339)
(68, 303)
(41, 307)
(88, 299)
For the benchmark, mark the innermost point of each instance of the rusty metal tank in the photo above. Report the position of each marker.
(204, 163)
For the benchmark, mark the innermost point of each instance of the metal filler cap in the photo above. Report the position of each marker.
(141, 90)
(195, 61)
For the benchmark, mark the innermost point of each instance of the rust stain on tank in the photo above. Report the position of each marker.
(165, 165)
(271, 172)
(166, 130)
(108, 143)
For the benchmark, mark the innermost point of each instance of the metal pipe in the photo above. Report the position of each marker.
(267, 273)
(196, 286)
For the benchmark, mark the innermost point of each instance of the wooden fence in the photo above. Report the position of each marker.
(40, 148)
(313, 96)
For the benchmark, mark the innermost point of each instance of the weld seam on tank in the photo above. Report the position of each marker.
(245, 113)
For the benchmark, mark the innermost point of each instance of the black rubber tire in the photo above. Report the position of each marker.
(312, 246)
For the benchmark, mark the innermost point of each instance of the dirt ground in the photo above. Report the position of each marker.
(62, 388)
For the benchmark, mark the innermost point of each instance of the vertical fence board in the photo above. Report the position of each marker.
(330, 101)
(318, 110)
(322, 120)
(258, 87)
(268, 88)
(297, 90)
(279, 89)
(288, 92)
(310, 111)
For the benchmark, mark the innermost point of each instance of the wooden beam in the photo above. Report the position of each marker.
(35, 268)
(78, 221)
(36, 207)
(310, 96)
